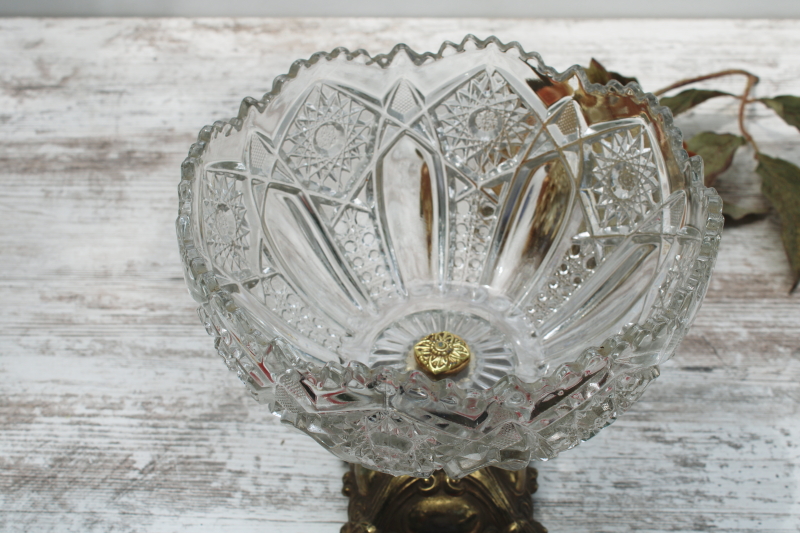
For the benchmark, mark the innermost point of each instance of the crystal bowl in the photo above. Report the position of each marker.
(554, 227)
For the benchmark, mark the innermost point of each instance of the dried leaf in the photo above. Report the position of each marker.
(597, 73)
(717, 151)
(689, 98)
(787, 107)
(781, 185)
(738, 212)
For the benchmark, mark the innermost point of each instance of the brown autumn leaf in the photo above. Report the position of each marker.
(717, 151)
(781, 185)
(787, 107)
(597, 73)
(685, 100)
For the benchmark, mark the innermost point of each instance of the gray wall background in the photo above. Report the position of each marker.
(409, 8)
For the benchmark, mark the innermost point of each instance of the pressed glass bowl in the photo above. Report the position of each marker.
(555, 227)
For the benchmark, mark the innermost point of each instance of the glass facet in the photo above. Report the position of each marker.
(555, 228)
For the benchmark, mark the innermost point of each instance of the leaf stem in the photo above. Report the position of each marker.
(752, 80)
(713, 75)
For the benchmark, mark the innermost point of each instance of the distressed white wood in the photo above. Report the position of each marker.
(407, 8)
(116, 414)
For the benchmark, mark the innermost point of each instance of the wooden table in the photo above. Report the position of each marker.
(115, 412)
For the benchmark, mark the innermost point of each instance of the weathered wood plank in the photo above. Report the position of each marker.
(115, 413)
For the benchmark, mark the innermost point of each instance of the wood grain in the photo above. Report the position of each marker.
(115, 413)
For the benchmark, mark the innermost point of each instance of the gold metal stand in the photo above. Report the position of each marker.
(490, 500)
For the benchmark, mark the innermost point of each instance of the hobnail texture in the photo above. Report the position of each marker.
(556, 226)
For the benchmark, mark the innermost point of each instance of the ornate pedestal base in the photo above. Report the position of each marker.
(490, 500)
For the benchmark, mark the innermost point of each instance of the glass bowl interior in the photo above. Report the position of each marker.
(554, 226)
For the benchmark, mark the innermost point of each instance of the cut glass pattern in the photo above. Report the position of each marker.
(405, 102)
(283, 300)
(357, 233)
(473, 222)
(329, 140)
(492, 354)
(578, 264)
(484, 125)
(369, 202)
(621, 181)
(225, 224)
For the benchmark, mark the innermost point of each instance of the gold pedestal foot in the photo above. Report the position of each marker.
(490, 500)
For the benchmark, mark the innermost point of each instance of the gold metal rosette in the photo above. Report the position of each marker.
(442, 353)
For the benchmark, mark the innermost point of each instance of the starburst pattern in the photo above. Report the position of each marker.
(329, 140)
(389, 442)
(621, 181)
(483, 126)
(224, 221)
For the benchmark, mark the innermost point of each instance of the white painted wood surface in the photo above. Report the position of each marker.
(115, 412)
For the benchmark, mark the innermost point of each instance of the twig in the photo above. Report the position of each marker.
(720, 74)
(752, 80)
